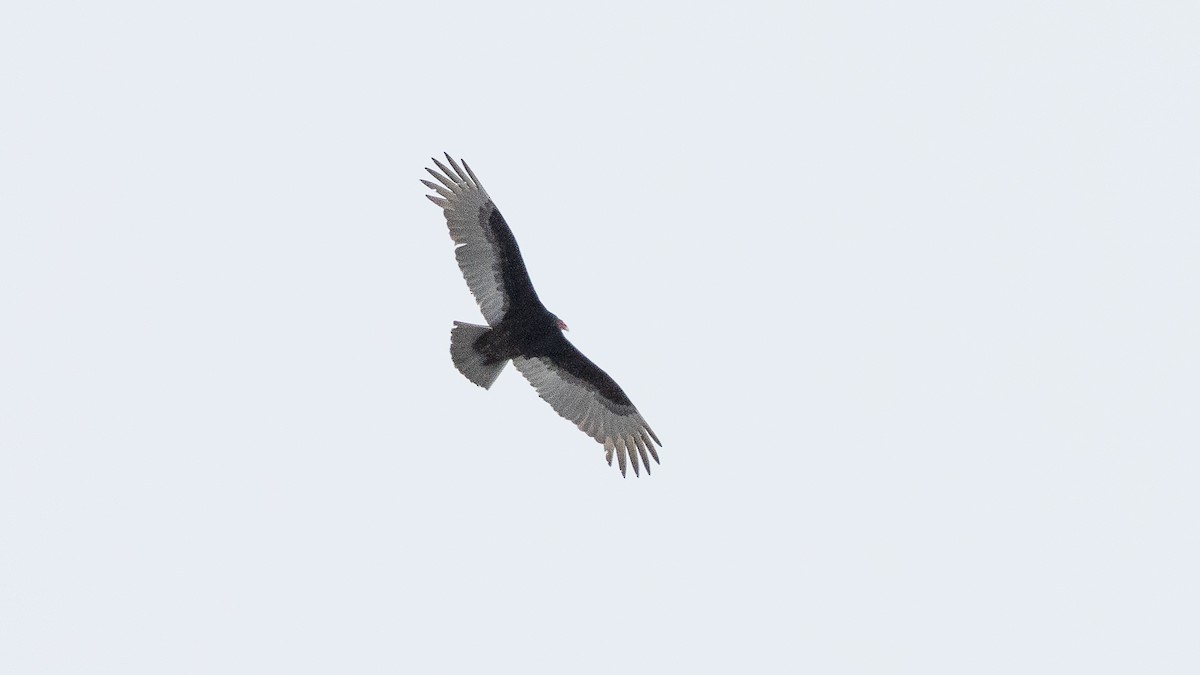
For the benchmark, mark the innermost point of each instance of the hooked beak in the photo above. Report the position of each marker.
(562, 325)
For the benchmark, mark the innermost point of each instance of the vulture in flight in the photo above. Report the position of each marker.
(520, 329)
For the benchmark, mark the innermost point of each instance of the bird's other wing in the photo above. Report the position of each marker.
(486, 251)
(581, 392)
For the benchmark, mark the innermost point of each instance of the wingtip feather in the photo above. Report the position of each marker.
(462, 176)
(474, 180)
(440, 178)
(633, 457)
(641, 448)
(444, 169)
(652, 434)
(438, 189)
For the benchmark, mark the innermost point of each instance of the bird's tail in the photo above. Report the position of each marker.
(469, 361)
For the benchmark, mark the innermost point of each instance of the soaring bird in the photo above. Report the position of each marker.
(520, 328)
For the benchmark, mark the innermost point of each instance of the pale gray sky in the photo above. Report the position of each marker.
(909, 292)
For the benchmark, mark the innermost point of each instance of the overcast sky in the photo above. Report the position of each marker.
(908, 290)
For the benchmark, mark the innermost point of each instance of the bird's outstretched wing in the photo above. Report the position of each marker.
(581, 392)
(486, 251)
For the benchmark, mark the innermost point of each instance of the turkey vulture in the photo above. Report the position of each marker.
(520, 329)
